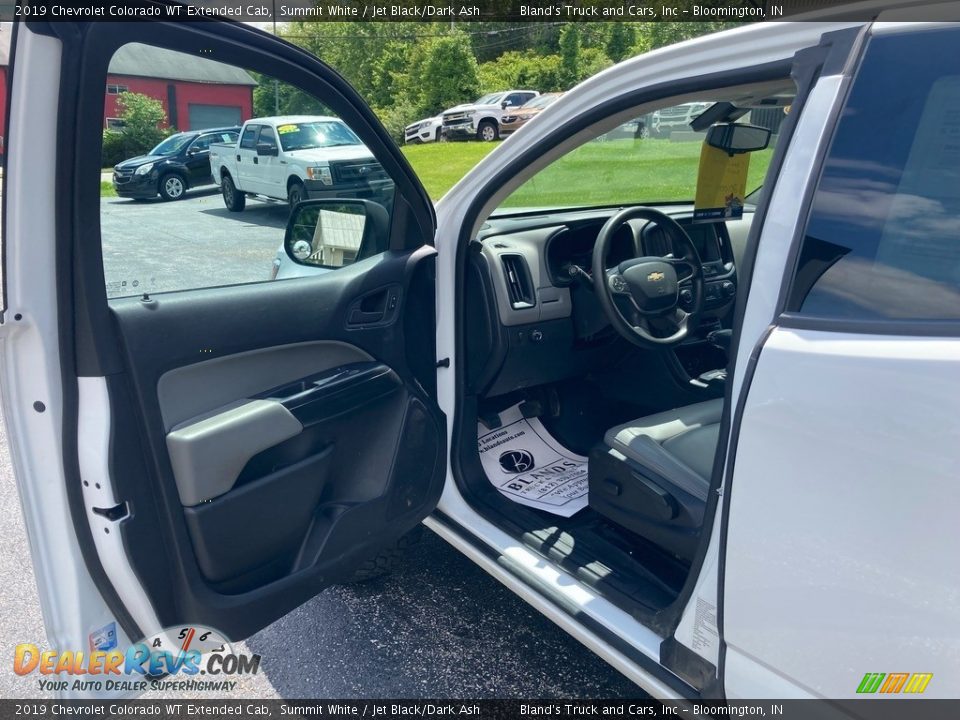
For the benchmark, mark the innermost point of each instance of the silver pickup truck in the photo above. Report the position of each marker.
(294, 158)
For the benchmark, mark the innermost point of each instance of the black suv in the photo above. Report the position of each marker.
(180, 162)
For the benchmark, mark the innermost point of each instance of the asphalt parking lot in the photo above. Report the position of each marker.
(438, 627)
(155, 246)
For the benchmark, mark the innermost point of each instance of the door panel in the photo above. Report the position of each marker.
(264, 439)
(263, 491)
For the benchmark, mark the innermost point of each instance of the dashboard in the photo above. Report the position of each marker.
(535, 259)
(532, 312)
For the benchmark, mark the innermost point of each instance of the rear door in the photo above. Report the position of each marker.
(838, 572)
(198, 159)
(195, 443)
(247, 178)
(271, 173)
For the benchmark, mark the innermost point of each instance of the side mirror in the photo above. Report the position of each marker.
(332, 233)
(267, 149)
(504, 105)
(736, 138)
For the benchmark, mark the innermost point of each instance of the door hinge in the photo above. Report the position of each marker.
(443, 363)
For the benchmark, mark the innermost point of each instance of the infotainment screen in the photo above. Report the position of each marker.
(705, 239)
(704, 236)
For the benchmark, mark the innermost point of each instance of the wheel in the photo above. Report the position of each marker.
(643, 132)
(172, 187)
(439, 137)
(295, 194)
(384, 563)
(235, 200)
(642, 296)
(488, 131)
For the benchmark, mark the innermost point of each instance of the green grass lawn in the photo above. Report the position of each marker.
(440, 165)
(597, 173)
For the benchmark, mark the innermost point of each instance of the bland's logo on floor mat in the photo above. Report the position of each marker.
(516, 461)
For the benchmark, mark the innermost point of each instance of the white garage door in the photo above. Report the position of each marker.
(212, 116)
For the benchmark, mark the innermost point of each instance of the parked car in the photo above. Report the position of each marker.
(637, 129)
(513, 120)
(180, 162)
(481, 119)
(677, 117)
(424, 131)
(294, 158)
(764, 410)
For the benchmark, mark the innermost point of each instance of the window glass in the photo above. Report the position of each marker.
(267, 136)
(170, 222)
(883, 238)
(203, 142)
(650, 159)
(249, 138)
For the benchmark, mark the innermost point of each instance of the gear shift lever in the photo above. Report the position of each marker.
(720, 339)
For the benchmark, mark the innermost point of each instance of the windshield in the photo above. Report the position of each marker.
(652, 159)
(315, 134)
(172, 145)
(491, 99)
(541, 101)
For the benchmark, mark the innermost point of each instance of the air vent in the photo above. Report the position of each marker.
(519, 282)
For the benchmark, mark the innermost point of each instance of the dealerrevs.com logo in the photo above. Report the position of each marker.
(185, 658)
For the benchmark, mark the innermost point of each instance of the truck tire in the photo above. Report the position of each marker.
(296, 194)
(172, 186)
(386, 561)
(488, 131)
(235, 200)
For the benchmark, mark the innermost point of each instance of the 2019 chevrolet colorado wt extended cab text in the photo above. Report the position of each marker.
(295, 158)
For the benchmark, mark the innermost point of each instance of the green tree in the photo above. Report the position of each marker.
(521, 70)
(142, 118)
(592, 61)
(570, 55)
(449, 73)
(620, 40)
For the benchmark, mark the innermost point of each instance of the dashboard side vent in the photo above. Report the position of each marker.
(519, 282)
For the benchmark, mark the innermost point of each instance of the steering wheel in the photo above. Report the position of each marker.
(641, 296)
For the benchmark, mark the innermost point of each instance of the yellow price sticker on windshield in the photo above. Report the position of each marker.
(284, 129)
(721, 185)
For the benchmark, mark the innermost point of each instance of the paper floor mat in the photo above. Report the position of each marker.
(528, 466)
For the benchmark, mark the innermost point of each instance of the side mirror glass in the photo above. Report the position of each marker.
(736, 138)
(267, 149)
(332, 233)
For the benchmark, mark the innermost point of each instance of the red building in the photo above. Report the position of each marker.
(196, 92)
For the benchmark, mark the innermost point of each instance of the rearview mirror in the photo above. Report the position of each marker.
(736, 138)
(332, 233)
(267, 149)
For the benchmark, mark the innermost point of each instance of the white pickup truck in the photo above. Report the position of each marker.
(295, 158)
(481, 119)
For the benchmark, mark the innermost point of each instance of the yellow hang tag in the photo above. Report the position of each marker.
(721, 185)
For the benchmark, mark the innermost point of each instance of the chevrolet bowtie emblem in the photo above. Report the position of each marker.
(655, 277)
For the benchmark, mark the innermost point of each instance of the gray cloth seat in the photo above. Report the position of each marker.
(678, 445)
(652, 475)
